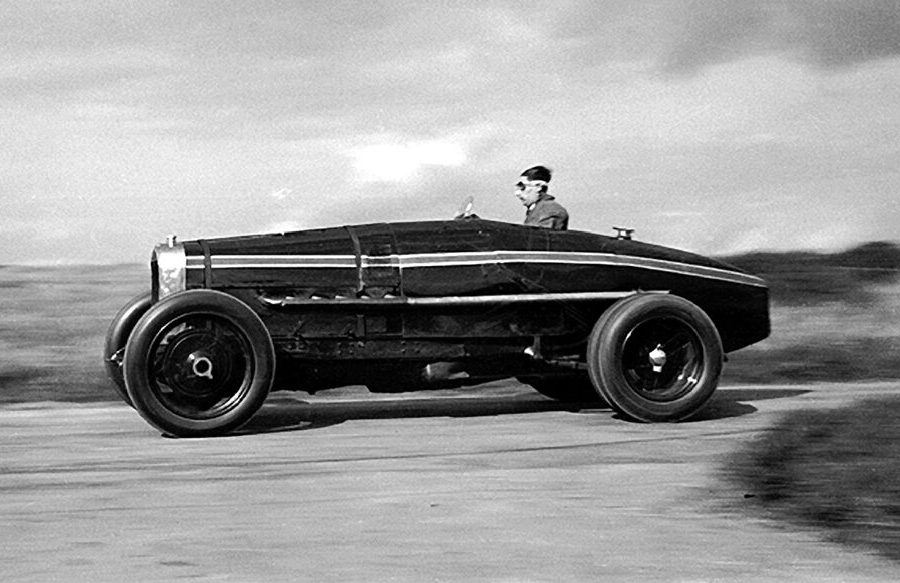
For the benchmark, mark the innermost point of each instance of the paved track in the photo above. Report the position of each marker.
(495, 484)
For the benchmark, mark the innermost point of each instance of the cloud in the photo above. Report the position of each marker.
(827, 33)
(281, 193)
(41, 229)
(394, 161)
(58, 72)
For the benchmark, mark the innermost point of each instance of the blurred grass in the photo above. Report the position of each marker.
(833, 470)
(53, 323)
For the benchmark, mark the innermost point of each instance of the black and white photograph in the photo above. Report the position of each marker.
(450, 291)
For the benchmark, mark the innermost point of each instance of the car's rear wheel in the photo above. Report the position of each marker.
(655, 357)
(117, 337)
(199, 363)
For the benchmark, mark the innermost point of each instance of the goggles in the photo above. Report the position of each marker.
(523, 184)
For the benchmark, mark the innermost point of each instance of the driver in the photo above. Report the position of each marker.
(542, 209)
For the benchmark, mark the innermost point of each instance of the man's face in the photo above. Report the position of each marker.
(527, 192)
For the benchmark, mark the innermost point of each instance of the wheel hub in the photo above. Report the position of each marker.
(657, 358)
(198, 364)
(201, 365)
(662, 359)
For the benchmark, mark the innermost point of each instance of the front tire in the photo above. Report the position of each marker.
(199, 363)
(655, 357)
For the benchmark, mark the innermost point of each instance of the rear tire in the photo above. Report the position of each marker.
(199, 363)
(688, 358)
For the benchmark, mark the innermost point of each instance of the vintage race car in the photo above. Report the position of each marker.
(418, 305)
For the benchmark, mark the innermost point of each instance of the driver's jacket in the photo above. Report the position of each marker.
(547, 213)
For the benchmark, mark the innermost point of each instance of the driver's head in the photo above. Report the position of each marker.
(532, 184)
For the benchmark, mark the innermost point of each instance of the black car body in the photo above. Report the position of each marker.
(408, 306)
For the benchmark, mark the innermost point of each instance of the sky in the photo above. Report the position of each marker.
(718, 126)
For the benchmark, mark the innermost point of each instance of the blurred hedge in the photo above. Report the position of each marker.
(835, 317)
(813, 278)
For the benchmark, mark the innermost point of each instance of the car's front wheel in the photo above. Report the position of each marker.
(655, 357)
(199, 363)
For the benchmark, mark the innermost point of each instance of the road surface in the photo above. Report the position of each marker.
(494, 484)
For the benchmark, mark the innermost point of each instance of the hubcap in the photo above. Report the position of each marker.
(662, 359)
(202, 366)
